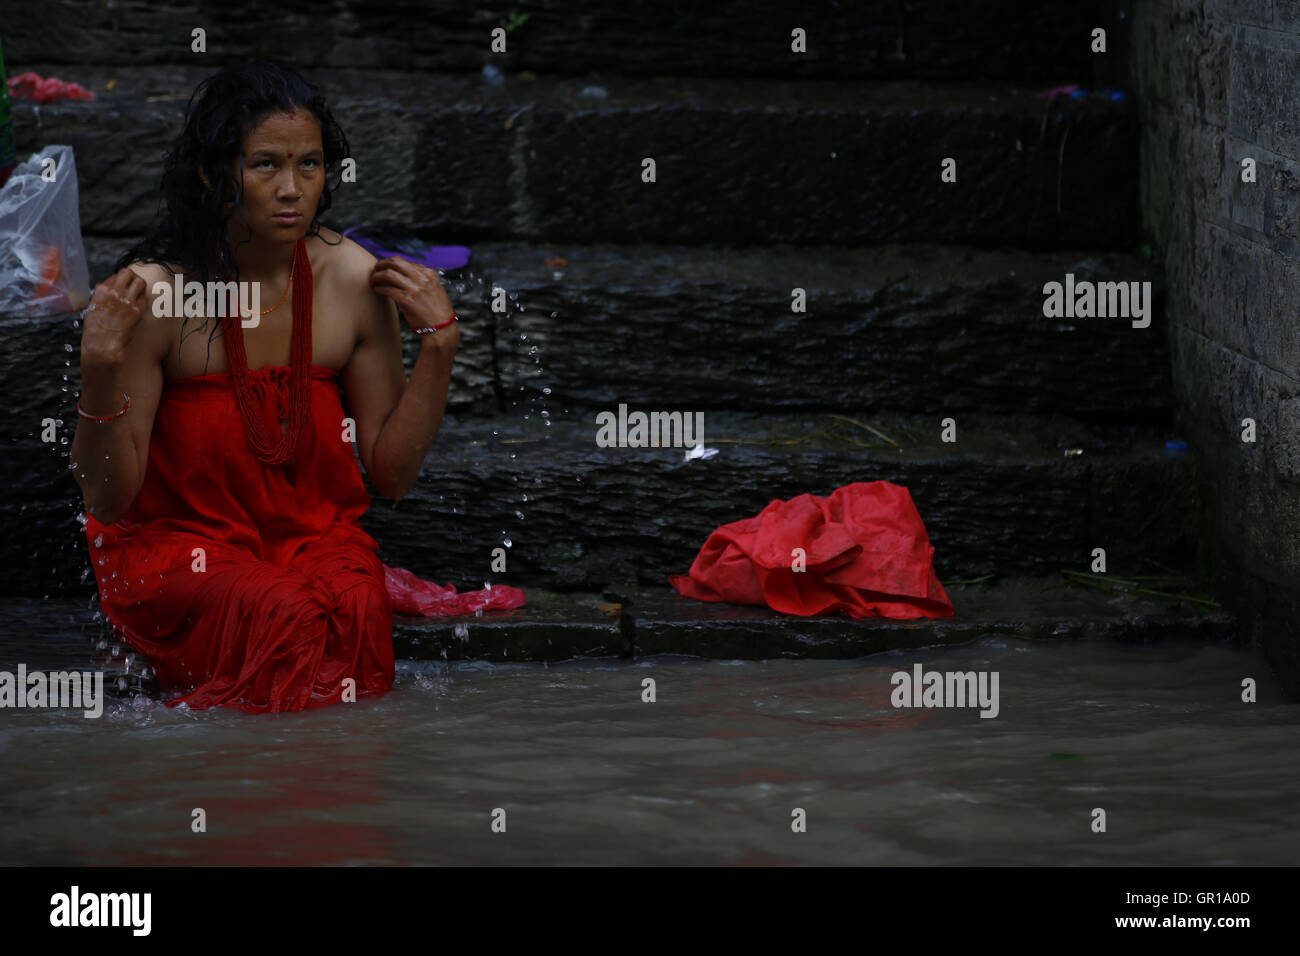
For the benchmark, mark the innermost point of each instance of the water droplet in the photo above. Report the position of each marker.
(546, 390)
(99, 540)
(507, 542)
(519, 515)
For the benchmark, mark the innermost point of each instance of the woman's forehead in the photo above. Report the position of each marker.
(298, 126)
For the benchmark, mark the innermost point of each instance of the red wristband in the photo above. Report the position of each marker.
(440, 325)
(105, 418)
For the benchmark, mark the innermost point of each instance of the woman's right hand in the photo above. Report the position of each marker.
(109, 323)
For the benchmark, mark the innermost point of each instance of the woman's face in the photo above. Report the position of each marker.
(283, 175)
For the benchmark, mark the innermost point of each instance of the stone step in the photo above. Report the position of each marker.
(939, 39)
(843, 162)
(642, 621)
(918, 328)
(645, 621)
(639, 622)
(1012, 495)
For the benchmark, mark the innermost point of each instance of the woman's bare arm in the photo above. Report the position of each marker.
(123, 346)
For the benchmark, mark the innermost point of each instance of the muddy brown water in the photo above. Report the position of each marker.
(711, 772)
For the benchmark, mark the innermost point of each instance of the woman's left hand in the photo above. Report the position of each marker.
(418, 292)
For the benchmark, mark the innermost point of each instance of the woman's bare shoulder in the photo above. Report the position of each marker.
(348, 280)
(153, 271)
(350, 261)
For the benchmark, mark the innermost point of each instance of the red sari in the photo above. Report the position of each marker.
(289, 597)
(252, 584)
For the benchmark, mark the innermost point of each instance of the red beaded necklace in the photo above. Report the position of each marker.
(284, 449)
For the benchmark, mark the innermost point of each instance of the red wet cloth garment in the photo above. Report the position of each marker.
(252, 584)
(241, 570)
(293, 597)
(865, 547)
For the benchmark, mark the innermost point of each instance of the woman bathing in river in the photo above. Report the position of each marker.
(223, 494)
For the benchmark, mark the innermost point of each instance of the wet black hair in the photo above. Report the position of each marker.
(222, 111)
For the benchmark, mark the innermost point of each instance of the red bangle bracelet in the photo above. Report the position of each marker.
(104, 418)
(440, 325)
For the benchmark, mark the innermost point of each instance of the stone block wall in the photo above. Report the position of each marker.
(1218, 84)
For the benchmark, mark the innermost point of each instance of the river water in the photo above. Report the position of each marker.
(583, 771)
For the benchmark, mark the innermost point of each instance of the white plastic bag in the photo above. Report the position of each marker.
(42, 259)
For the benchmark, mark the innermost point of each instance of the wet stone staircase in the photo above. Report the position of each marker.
(774, 173)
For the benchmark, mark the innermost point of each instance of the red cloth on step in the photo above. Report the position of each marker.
(294, 597)
(866, 550)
